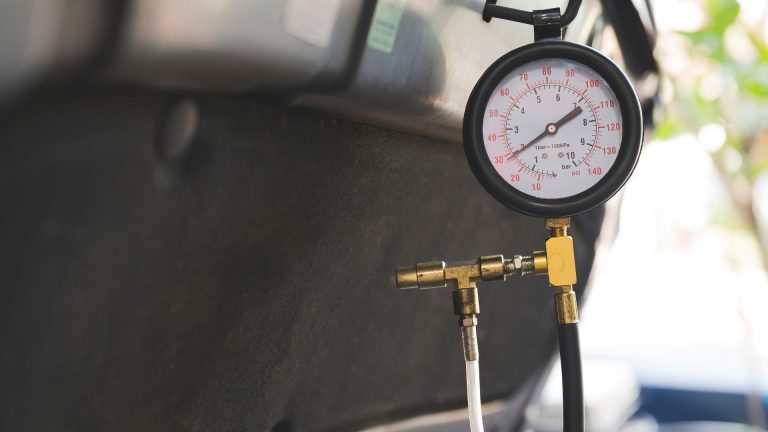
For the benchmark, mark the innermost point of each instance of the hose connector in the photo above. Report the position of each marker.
(468, 324)
(565, 305)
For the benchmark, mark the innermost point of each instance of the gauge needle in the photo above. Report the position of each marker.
(551, 129)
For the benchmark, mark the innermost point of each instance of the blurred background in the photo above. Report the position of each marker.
(688, 252)
(202, 203)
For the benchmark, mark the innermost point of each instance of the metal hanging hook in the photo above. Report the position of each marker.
(492, 10)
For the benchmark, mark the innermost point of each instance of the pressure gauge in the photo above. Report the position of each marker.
(553, 129)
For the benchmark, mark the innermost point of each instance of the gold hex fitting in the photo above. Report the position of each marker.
(565, 305)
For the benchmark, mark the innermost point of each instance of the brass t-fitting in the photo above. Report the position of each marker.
(462, 277)
(463, 274)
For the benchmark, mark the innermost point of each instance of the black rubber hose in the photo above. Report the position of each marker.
(493, 11)
(573, 392)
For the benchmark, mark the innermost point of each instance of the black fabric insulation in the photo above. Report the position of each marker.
(573, 392)
(216, 233)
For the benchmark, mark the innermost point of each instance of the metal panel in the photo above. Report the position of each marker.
(441, 49)
(236, 45)
(420, 83)
(412, 70)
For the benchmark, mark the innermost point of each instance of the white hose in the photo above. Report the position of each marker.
(473, 396)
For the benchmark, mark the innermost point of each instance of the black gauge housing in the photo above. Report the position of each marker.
(614, 179)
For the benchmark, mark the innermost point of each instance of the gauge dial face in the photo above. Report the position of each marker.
(552, 128)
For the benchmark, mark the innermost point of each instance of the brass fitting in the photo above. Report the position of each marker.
(557, 261)
(463, 274)
(539, 263)
(561, 268)
(462, 277)
(466, 301)
(423, 275)
(565, 305)
(558, 227)
(561, 262)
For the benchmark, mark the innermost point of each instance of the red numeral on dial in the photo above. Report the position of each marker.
(610, 103)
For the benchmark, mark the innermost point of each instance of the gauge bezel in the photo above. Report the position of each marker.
(600, 192)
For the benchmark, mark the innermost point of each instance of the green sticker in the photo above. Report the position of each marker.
(386, 21)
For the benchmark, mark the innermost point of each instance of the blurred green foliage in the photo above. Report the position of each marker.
(724, 80)
(742, 99)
